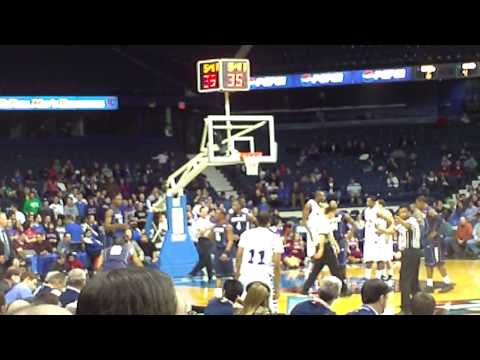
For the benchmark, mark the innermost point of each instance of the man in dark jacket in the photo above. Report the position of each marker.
(76, 281)
(7, 251)
(329, 290)
(374, 298)
(232, 290)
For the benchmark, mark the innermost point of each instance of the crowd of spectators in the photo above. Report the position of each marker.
(289, 187)
(59, 212)
(461, 227)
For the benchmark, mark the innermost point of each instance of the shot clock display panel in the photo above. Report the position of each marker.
(208, 73)
(223, 75)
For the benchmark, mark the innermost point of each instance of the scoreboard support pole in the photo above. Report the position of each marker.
(227, 103)
(229, 124)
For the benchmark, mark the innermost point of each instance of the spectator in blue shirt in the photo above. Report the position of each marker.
(76, 232)
(232, 290)
(136, 233)
(37, 225)
(64, 245)
(82, 206)
(222, 199)
(263, 206)
(284, 193)
(92, 206)
(473, 245)
(24, 289)
(329, 290)
(457, 213)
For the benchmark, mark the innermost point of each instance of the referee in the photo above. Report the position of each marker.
(327, 250)
(409, 244)
(203, 227)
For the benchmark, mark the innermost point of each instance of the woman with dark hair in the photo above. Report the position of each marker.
(52, 235)
(131, 291)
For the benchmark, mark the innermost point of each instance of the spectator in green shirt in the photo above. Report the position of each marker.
(32, 204)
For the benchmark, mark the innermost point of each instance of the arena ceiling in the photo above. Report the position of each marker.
(170, 70)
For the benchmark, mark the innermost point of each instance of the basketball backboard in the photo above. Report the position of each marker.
(230, 137)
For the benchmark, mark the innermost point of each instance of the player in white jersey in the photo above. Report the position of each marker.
(312, 212)
(372, 247)
(385, 226)
(259, 257)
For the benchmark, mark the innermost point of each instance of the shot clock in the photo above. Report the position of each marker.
(223, 75)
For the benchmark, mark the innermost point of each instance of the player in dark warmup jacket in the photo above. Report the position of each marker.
(115, 224)
(340, 234)
(434, 256)
(222, 237)
(241, 221)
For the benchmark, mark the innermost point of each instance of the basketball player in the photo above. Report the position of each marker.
(222, 236)
(372, 248)
(259, 257)
(327, 251)
(434, 253)
(115, 224)
(385, 221)
(341, 224)
(313, 211)
(241, 221)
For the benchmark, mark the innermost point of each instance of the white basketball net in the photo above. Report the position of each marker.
(251, 161)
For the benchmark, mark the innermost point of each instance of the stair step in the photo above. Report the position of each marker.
(219, 182)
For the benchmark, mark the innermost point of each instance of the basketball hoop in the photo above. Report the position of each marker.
(251, 161)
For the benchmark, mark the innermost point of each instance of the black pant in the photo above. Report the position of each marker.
(331, 261)
(5, 266)
(204, 248)
(92, 257)
(409, 284)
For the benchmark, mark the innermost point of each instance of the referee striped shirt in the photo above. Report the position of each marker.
(409, 238)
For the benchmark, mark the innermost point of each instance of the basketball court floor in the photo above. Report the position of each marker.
(463, 300)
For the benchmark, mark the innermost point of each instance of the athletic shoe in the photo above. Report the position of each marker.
(447, 287)
(429, 289)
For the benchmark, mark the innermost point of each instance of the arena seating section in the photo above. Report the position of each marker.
(429, 139)
(37, 154)
(84, 151)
